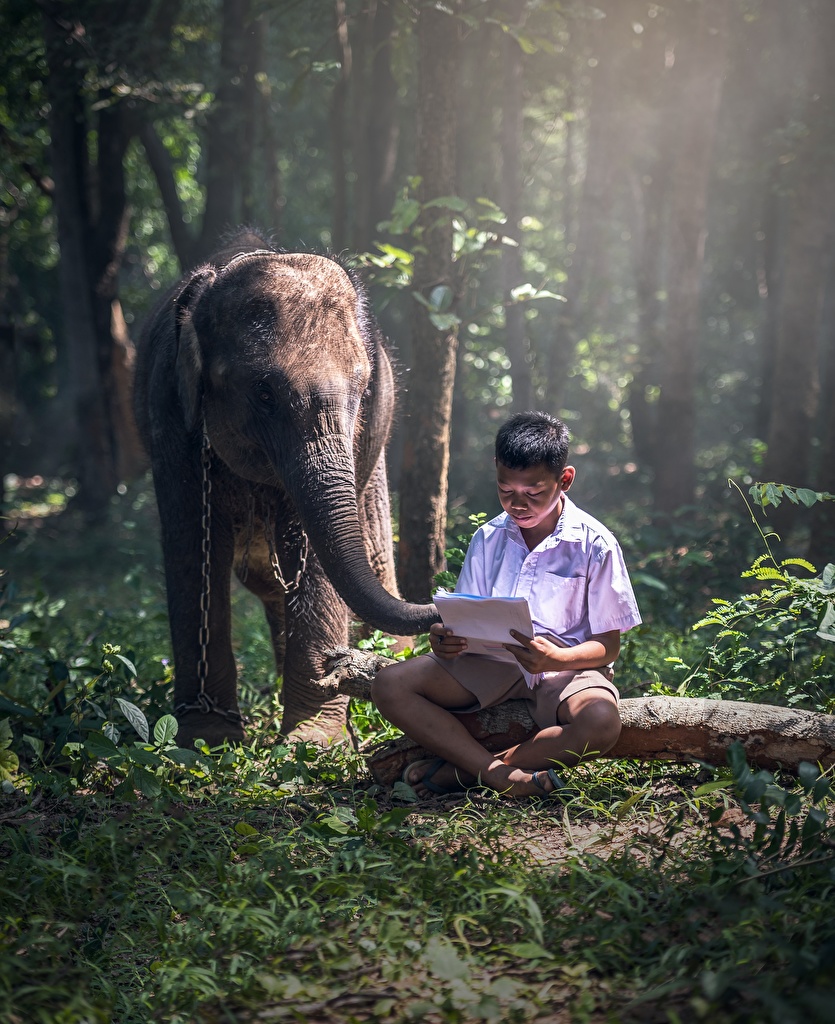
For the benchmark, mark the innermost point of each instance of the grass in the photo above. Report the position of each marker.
(277, 882)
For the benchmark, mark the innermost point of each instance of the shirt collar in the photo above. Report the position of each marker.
(569, 526)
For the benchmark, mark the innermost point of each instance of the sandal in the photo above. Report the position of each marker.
(431, 766)
(556, 781)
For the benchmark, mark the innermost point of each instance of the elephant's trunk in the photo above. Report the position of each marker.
(324, 492)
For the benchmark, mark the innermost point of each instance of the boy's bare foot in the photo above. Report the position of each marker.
(436, 777)
(515, 782)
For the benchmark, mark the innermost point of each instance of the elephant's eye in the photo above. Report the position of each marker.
(264, 394)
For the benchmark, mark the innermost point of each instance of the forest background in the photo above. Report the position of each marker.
(621, 212)
(632, 203)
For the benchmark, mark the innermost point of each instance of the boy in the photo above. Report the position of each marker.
(571, 570)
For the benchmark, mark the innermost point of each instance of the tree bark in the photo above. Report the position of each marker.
(806, 270)
(678, 729)
(423, 479)
(95, 457)
(339, 136)
(376, 160)
(695, 80)
(225, 130)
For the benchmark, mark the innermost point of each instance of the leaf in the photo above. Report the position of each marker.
(147, 784)
(144, 756)
(5, 733)
(711, 787)
(403, 791)
(799, 562)
(441, 297)
(772, 495)
(456, 203)
(826, 630)
(135, 717)
(442, 960)
(128, 662)
(165, 730)
(9, 764)
(807, 496)
(527, 291)
(98, 745)
(444, 321)
(181, 755)
(529, 951)
(246, 830)
(393, 819)
(111, 732)
(36, 743)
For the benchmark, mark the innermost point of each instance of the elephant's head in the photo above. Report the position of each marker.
(275, 352)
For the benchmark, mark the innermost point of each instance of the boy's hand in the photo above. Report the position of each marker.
(443, 643)
(536, 653)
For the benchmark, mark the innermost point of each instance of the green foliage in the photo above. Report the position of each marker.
(772, 494)
(277, 878)
(774, 643)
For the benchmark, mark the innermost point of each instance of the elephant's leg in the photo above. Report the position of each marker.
(205, 677)
(253, 569)
(316, 623)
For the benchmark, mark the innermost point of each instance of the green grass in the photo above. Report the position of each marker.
(142, 883)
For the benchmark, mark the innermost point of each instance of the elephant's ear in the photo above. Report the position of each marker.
(189, 355)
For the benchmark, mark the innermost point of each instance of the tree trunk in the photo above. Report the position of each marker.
(609, 42)
(517, 343)
(376, 160)
(695, 82)
(806, 270)
(339, 136)
(264, 114)
(225, 134)
(95, 457)
(8, 361)
(680, 729)
(423, 480)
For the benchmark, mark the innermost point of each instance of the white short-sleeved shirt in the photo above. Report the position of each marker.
(575, 580)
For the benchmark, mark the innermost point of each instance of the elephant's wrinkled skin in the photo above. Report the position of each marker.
(278, 354)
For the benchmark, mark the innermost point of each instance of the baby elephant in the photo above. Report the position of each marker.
(264, 397)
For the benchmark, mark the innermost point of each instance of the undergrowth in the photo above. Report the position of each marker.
(275, 881)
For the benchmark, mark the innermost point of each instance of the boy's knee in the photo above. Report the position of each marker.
(381, 685)
(600, 723)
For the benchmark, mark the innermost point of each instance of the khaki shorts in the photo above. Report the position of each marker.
(494, 682)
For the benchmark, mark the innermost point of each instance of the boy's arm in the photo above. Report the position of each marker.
(540, 655)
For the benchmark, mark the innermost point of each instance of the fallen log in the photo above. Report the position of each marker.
(679, 729)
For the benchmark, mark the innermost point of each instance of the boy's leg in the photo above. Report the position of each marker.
(588, 726)
(416, 696)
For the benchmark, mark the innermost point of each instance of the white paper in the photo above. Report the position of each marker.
(485, 622)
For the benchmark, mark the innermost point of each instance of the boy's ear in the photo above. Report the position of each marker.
(567, 478)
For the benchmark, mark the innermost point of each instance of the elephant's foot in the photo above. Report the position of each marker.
(323, 727)
(213, 728)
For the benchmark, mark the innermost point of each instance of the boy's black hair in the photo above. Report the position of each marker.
(533, 439)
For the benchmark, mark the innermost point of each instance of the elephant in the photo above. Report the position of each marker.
(264, 396)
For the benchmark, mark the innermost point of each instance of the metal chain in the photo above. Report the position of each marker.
(206, 703)
(206, 552)
(269, 537)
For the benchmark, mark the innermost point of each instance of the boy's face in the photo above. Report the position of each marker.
(533, 497)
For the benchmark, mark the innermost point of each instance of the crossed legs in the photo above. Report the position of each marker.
(419, 697)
